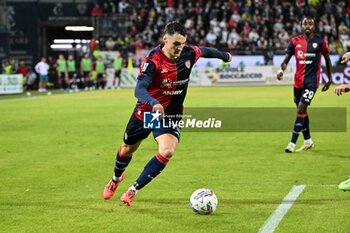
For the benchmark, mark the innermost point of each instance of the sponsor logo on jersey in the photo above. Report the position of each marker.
(164, 71)
(177, 92)
(181, 82)
(300, 54)
(310, 54)
(305, 62)
(188, 64)
(144, 67)
(166, 83)
(298, 45)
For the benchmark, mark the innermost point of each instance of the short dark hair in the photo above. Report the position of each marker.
(308, 17)
(175, 27)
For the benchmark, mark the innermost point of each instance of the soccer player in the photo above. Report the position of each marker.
(307, 49)
(161, 88)
(339, 90)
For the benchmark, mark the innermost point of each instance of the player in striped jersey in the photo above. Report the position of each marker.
(308, 49)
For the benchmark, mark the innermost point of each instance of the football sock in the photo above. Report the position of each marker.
(152, 169)
(306, 130)
(299, 122)
(120, 165)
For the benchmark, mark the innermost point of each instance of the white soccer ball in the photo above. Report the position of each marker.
(203, 201)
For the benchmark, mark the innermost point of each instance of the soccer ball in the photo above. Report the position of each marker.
(203, 201)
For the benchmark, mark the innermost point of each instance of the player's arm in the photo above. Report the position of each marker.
(339, 90)
(214, 53)
(329, 72)
(144, 79)
(346, 57)
(283, 66)
(289, 54)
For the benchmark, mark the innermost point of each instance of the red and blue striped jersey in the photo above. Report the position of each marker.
(168, 79)
(307, 54)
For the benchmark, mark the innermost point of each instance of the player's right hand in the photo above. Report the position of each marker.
(280, 74)
(159, 107)
(229, 57)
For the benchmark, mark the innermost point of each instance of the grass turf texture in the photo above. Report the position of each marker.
(57, 154)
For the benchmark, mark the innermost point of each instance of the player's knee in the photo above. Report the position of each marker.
(302, 109)
(167, 152)
(126, 151)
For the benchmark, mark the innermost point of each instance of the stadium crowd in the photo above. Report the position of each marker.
(240, 26)
(244, 27)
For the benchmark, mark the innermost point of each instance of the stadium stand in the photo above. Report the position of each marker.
(244, 27)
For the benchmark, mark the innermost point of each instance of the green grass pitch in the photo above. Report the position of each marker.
(57, 154)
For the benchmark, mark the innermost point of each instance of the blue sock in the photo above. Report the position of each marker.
(120, 165)
(299, 122)
(306, 130)
(152, 169)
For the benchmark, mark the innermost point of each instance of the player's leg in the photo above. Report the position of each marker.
(166, 147)
(297, 96)
(306, 98)
(134, 134)
(303, 98)
(298, 125)
(122, 160)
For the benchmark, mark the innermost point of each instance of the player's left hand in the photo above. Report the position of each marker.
(326, 86)
(345, 58)
(339, 90)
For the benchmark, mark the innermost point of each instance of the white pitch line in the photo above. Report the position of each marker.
(277, 216)
(323, 185)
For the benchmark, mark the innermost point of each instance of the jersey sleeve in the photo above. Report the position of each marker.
(290, 48)
(144, 79)
(214, 53)
(325, 49)
(197, 51)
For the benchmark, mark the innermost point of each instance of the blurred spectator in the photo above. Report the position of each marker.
(230, 24)
(117, 65)
(52, 76)
(211, 36)
(100, 71)
(96, 11)
(62, 74)
(72, 73)
(22, 69)
(42, 68)
(30, 80)
(8, 67)
(85, 72)
(262, 43)
(110, 43)
(123, 6)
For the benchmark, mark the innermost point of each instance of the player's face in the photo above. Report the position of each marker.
(308, 26)
(174, 45)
